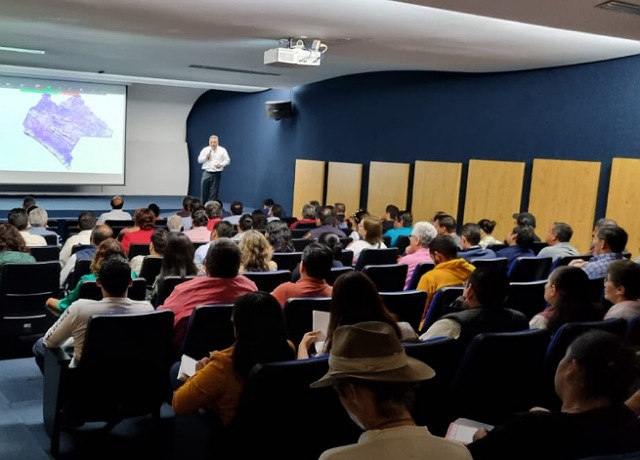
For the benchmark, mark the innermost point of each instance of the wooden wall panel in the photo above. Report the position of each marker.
(388, 184)
(436, 187)
(565, 191)
(624, 196)
(494, 192)
(344, 183)
(308, 184)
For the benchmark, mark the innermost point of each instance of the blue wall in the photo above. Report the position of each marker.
(585, 112)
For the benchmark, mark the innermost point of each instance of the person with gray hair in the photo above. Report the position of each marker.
(558, 237)
(174, 223)
(308, 217)
(38, 218)
(418, 250)
(214, 212)
(213, 159)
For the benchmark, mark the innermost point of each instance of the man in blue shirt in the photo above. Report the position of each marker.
(609, 247)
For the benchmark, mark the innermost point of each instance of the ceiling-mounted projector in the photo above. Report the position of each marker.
(295, 53)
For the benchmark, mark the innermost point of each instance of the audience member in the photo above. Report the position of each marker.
(353, 222)
(98, 235)
(116, 213)
(558, 237)
(267, 204)
(174, 223)
(341, 211)
(221, 229)
(38, 218)
(483, 310)
(308, 219)
(402, 227)
(221, 285)
(486, 231)
(108, 247)
(593, 381)
(354, 299)
(114, 279)
(526, 219)
(450, 270)
(389, 217)
(214, 213)
(256, 253)
(86, 222)
(332, 241)
(446, 225)
(569, 300)
(155, 209)
(603, 222)
(275, 213)
(519, 243)
(470, 236)
(28, 203)
(279, 236)
(370, 230)
(244, 225)
(13, 249)
(259, 221)
(19, 219)
(622, 289)
(418, 250)
(376, 381)
(236, 213)
(325, 222)
(315, 266)
(145, 220)
(186, 207)
(176, 261)
(260, 337)
(156, 249)
(199, 232)
(609, 247)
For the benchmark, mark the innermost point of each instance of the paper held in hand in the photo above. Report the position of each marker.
(187, 368)
(463, 429)
(321, 323)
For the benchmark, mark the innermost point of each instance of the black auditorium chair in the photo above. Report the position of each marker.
(81, 267)
(495, 263)
(377, 256)
(138, 249)
(268, 281)
(52, 240)
(287, 260)
(208, 328)
(45, 253)
(298, 315)
(387, 277)
(402, 243)
(300, 243)
(167, 286)
(93, 391)
(347, 257)
(529, 269)
(560, 261)
(336, 272)
(91, 290)
(151, 267)
(441, 304)
(418, 271)
(527, 297)
(406, 305)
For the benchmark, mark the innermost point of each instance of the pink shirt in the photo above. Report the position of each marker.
(412, 260)
(204, 290)
(199, 234)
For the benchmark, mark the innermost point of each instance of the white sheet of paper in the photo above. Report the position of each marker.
(463, 430)
(187, 367)
(321, 323)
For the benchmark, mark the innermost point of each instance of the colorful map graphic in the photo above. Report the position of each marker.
(59, 127)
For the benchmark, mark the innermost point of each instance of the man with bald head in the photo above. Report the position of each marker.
(116, 213)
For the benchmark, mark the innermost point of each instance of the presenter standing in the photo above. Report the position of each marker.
(213, 159)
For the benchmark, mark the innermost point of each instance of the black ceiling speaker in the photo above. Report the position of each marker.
(277, 110)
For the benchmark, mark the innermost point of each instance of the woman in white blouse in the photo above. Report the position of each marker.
(370, 231)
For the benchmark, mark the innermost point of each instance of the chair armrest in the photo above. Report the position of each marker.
(56, 363)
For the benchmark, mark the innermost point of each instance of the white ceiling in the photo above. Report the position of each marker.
(159, 39)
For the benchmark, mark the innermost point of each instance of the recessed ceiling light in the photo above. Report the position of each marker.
(21, 50)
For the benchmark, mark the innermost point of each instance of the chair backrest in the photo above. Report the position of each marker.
(561, 261)
(209, 328)
(138, 249)
(421, 269)
(45, 253)
(386, 240)
(347, 257)
(377, 256)
(527, 297)
(277, 399)
(440, 303)
(498, 374)
(24, 289)
(537, 246)
(151, 267)
(497, 246)
(81, 267)
(432, 404)
(596, 291)
(268, 281)
(167, 286)
(402, 243)
(633, 332)
(91, 290)
(297, 233)
(387, 277)
(77, 247)
(300, 243)
(287, 260)
(298, 315)
(530, 269)
(345, 241)
(337, 271)
(496, 263)
(142, 355)
(52, 240)
(118, 225)
(406, 305)
(557, 348)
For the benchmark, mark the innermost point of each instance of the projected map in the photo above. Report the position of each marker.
(59, 127)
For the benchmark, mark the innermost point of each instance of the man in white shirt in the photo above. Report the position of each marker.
(116, 213)
(114, 279)
(213, 160)
(86, 222)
